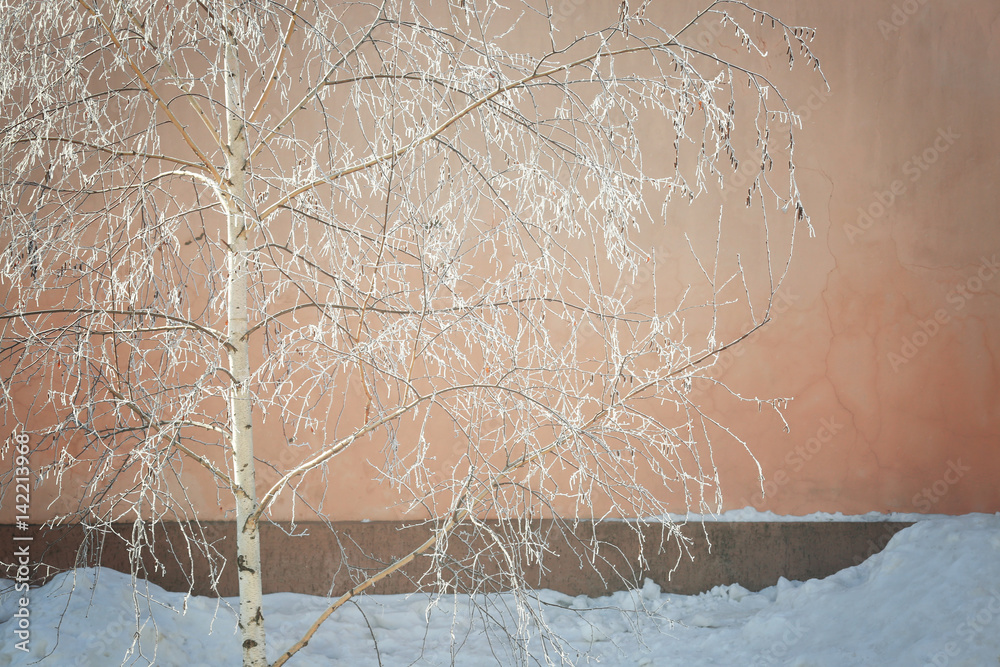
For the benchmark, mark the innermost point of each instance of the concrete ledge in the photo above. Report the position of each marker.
(310, 558)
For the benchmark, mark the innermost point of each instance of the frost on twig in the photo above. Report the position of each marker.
(389, 232)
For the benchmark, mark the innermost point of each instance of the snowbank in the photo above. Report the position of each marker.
(932, 597)
(750, 514)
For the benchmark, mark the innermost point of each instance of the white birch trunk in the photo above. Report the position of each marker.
(251, 621)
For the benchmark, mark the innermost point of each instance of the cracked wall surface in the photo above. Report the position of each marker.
(895, 332)
(886, 330)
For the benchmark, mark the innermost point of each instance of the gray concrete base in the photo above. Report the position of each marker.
(310, 558)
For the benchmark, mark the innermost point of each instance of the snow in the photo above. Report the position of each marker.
(932, 597)
(751, 514)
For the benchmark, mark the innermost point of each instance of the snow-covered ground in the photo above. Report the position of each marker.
(750, 514)
(932, 597)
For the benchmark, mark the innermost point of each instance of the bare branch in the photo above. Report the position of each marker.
(149, 88)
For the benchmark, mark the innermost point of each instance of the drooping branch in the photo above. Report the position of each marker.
(185, 323)
(175, 440)
(116, 152)
(315, 90)
(279, 58)
(151, 90)
(485, 208)
(477, 103)
(465, 506)
(185, 87)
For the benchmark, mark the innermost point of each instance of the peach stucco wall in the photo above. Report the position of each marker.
(886, 332)
(890, 345)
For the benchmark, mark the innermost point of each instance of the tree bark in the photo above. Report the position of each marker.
(251, 621)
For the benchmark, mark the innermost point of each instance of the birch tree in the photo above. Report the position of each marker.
(386, 226)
